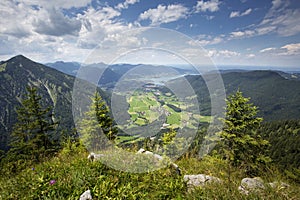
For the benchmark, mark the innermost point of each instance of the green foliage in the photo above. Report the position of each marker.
(30, 139)
(242, 145)
(103, 117)
(97, 125)
(284, 137)
(74, 174)
(277, 97)
(53, 86)
(171, 144)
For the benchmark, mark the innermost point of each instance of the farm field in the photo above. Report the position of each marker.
(145, 107)
(151, 106)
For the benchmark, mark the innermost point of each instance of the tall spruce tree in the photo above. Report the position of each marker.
(243, 146)
(96, 125)
(103, 117)
(30, 138)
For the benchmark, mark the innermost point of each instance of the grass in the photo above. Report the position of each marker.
(73, 174)
(206, 119)
(174, 119)
(144, 108)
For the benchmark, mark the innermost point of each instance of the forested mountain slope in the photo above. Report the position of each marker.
(277, 98)
(53, 86)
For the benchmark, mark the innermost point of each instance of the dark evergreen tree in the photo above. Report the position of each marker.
(284, 137)
(30, 138)
(242, 145)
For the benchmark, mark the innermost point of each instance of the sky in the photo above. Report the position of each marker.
(262, 33)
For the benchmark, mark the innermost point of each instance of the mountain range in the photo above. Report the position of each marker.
(277, 94)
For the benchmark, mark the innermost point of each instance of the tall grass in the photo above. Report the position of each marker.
(69, 174)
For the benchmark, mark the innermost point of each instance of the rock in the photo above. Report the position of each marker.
(251, 184)
(86, 195)
(141, 150)
(159, 158)
(200, 180)
(279, 185)
(93, 157)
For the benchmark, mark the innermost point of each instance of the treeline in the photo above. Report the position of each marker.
(35, 137)
(284, 149)
(244, 141)
(283, 145)
(284, 137)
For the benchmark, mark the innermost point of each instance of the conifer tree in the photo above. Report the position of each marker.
(103, 117)
(242, 145)
(96, 125)
(30, 138)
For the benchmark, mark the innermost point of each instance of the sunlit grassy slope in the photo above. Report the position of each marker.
(69, 174)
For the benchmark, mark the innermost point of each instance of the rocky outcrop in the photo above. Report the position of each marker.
(256, 184)
(200, 180)
(279, 185)
(86, 195)
(94, 157)
(159, 158)
(251, 184)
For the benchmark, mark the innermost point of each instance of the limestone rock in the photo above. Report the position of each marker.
(279, 185)
(251, 184)
(86, 195)
(159, 158)
(93, 157)
(200, 180)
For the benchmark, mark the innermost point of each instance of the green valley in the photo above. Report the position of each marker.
(146, 106)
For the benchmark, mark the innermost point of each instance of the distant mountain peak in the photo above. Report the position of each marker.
(19, 58)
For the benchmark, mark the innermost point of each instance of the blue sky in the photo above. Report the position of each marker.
(233, 32)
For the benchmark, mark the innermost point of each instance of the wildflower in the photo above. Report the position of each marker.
(33, 169)
(52, 182)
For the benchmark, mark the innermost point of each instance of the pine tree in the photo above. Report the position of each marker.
(96, 125)
(30, 138)
(103, 117)
(242, 145)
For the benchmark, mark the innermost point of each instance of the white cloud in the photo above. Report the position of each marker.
(126, 4)
(265, 30)
(204, 6)
(286, 50)
(223, 53)
(228, 54)
(281, 19)
(98, 25)
(44, 33)
(66, 4)
(238, 14)
(291, 49)
(234, 14)
(276, 4)
(267, 49)
(164, 14)
(288, 23)
(242, 34)
(247, 12)
(55, 23)
(204, 40)
(22, 20)
(15, 20)
(251, 55)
